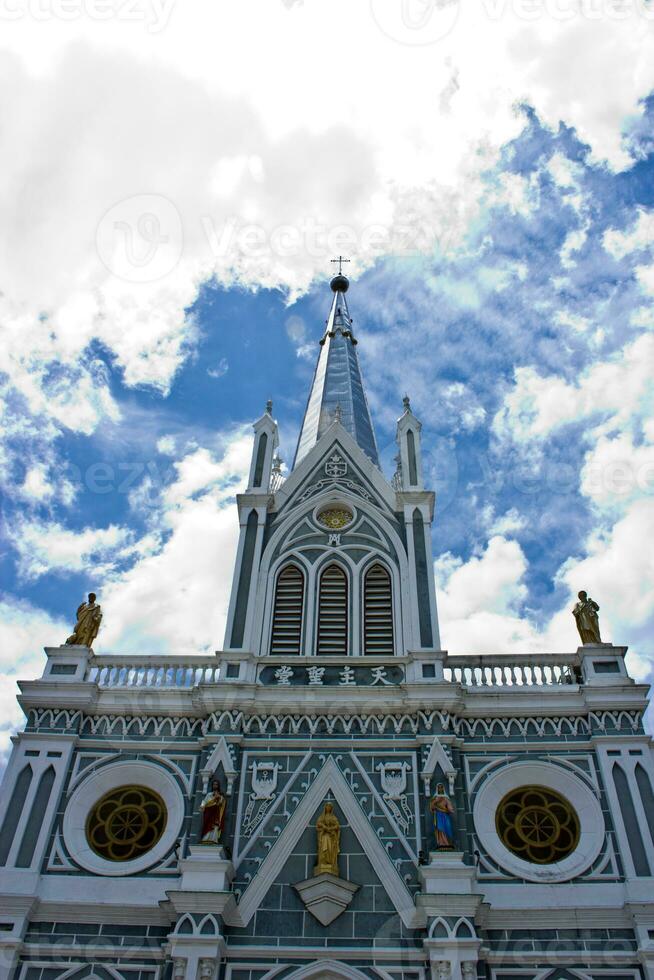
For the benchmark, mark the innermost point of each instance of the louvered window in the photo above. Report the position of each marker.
(377, 612)
(287, 616)
(332, 612)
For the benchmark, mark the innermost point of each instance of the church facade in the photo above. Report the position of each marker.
(332, 794)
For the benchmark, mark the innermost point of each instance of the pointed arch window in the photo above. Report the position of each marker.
(287, 614)
(332, 612)
(377, 612)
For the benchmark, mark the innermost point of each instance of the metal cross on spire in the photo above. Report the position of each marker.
(340, 261)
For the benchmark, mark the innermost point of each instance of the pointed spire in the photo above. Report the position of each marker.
(337, 392)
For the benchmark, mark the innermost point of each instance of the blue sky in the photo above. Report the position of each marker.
(509, 292)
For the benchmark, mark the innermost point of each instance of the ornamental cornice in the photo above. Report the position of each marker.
(409, 723)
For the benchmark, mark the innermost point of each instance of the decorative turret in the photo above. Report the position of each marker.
(410, 456)
(266, 440)
(337, 391)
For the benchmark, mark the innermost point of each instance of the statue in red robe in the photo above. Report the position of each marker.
(213, 814)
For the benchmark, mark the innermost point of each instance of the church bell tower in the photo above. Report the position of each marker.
(331, 796)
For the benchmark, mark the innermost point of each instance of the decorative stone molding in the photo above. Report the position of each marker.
(206, 869)
(438, 757)
(326, 896)
(96, 785)
(220, 755)
(576, 792)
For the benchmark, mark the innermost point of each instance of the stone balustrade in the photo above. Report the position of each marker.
(152, 671)
(469, 671)
(513, 671)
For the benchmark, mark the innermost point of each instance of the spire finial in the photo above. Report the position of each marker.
(269, 407)
(338, 415)
(406, 401)
(340, 282)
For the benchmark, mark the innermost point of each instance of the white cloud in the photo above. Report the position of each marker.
(174, 599)
(221, 368)
(483, 603)
(508, 523)
(112, 238)
(645, 276)
(574, 242)
(479, 600)
(638, 236)
(166, 445)
(619, 389)
(24, 631)
(49, 547)
(616, 471)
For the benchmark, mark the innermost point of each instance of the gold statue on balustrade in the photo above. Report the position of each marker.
(89, 617)
(328, 830)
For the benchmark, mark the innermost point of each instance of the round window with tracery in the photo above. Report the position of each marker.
(537, 825)
(335, 518)
(126, 823)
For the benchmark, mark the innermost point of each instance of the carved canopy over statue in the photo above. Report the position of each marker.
(328, 830)
(89, 617)
(585, 614)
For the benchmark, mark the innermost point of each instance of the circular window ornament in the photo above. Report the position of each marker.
(126, 823)
(85, 812)
(492, 819)
(335, 517)
(537, 825)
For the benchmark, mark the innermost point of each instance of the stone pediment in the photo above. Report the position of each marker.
(358, 474)
(330, 779)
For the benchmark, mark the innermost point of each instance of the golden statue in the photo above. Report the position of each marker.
(328, 830)
(89, 616)
(585, 613)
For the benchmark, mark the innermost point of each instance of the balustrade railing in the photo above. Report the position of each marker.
(516, 671)
(152, 672)
(477, 672)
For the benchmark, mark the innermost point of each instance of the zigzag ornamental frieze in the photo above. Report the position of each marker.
(434, 722)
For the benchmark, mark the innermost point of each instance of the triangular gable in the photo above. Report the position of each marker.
(220, 753)
(336, 434)
(438, 757)
(329, 779)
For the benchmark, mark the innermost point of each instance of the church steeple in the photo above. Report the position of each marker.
(337, 390)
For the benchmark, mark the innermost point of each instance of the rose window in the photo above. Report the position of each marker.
(126, 823)
(335, 518)
(537, 825)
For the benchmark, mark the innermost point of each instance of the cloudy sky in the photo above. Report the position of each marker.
(176, 177)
